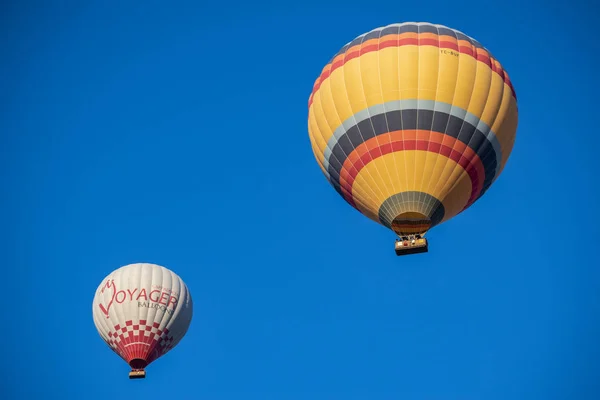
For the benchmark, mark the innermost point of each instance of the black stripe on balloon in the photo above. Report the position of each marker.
(423, 201)
(407, 120)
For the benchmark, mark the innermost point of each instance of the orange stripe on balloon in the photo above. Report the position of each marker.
(434, 142)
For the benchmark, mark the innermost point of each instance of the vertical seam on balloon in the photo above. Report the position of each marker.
(184, 294)
(492, 122)
(383, 102)
(153, 311)
(416, 130)
(130, 349)
(489, 129)
(174, 322)
(453, 107)
(170, 317)
(360, 189)
(181, 324)
(500, 166)
(141, 310)
(398, 153)
(483, 142)
(402, 130)
(99, 325)
(154, 347)
(445, 190)
(134, 316)
(360, 76)
(440, 158)
(427, 204)
(313, 131)
(365, 202)
(453, 169)
(386, 195)
(163, 322)
(413, 193)
(166, 317)
(512, 94)
(313, 142)
(121, 318)
(132, 346)
(320, 163)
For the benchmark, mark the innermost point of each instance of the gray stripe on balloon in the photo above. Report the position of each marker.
(412, 104)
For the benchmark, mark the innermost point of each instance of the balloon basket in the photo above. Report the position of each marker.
(411, 245)
(139, 374)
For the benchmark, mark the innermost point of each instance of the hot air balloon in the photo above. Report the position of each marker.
(411, 124)
(142, 311)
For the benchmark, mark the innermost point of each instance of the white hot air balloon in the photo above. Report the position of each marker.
(142, 311)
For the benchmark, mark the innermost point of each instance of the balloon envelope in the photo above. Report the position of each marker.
(411, 123)
(142, 311)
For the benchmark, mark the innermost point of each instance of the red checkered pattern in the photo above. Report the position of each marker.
(140, 340)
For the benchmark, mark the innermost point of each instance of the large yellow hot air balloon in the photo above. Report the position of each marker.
(411, 123)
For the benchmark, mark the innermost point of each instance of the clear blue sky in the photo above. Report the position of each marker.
(175, 133)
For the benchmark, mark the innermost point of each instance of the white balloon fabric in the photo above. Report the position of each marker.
(142, 311)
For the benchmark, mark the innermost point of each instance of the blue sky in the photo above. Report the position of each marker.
(175, 133)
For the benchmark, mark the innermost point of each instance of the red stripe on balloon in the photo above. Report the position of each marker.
(390, 142)
(401, 40)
